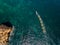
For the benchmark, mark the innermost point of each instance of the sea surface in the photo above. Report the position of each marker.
(27, 28)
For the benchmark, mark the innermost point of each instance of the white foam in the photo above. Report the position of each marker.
(11, 34)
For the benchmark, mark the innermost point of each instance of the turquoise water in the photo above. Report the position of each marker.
(21, 13)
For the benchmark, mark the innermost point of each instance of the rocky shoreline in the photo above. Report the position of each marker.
(5, 30)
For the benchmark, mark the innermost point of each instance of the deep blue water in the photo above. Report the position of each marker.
(21, 13)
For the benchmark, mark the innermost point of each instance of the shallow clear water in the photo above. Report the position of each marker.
(21, 13)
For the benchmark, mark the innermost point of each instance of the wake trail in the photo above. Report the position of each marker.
(46, 37)
(41, 22)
